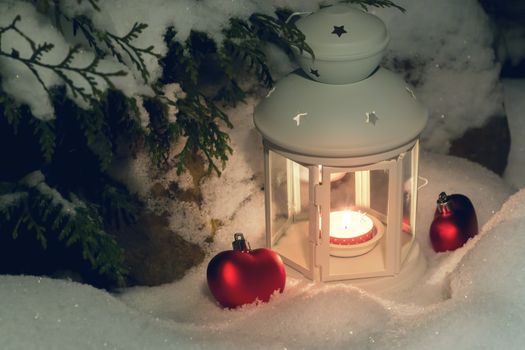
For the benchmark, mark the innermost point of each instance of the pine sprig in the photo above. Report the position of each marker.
(93, 3)
(198, 118)
(374, 3)
(117, 206)
(44, 131)
(34, 207)
(125, 43)
(242, 43)
(281, 32)
(120, 47)
(9, 109)
(65, 70)
(85, 26)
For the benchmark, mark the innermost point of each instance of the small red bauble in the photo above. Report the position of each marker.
(241, 276)
(454, 222)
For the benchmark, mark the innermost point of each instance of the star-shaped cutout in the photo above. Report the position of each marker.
(339, 30)
(315, 72)
(297, 118)
(371, 117)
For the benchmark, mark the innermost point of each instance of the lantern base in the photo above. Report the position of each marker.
(412, 269)
(410, 273)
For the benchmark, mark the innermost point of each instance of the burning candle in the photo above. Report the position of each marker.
(350, 227)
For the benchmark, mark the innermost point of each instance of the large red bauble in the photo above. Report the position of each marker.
(241, 276)
(454, 222)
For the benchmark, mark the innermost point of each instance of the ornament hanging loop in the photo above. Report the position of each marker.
(239, 243)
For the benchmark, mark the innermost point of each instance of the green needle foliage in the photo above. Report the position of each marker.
(90, 74)
(57, 198)
(31, 206)
(374, 3)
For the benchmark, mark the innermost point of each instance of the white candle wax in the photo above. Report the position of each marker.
(349, 224)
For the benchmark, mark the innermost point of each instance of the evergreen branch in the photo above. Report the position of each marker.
(230, 93)
(41, 210)
(93, 3)
(198, 118)
(88, 74)
(9, 110)
(40, 50)
(135, 54)
(279, 31)
(93, 125)
(375, 3)
(44, 130)
(114, 43)
(85, 25)
(162, 133)
(243, 43)
(118, 206)
(45, 5)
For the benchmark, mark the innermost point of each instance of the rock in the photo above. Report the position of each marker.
(158, 191)
(488, 145)
(154, 253)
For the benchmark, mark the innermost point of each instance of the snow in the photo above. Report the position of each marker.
(17, 80)
(117, 17)
(449, 46)
(7, 200)
(452, 304)
(37, 180)
(515, 109)
(472, 298)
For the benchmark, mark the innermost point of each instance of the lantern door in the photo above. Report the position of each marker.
(289, 207)
(360, 221)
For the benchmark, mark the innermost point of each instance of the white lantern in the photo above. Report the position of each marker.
(341, 154)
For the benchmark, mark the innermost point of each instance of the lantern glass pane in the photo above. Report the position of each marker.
(289, 189)
(342, 190)
(362, 190)
(379, 193)
(408, 192)
(357, 223)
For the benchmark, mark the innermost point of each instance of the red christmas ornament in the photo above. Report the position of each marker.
(240, 276)
(454, 222)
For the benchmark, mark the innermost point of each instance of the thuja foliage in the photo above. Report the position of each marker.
(57, 198)
(55, 193)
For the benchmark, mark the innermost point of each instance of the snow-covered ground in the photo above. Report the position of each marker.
(472, 298)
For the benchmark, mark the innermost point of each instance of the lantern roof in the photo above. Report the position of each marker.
(371, 116)
(348, 44)
(341, 32)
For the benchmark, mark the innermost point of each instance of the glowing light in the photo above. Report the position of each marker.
(350, 227)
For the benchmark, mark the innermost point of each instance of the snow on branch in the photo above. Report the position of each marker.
(374, 3)
(120, 47)
(69, 73)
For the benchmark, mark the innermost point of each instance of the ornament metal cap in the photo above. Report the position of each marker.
(442, 203)
(239, 243)
(443, 198)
